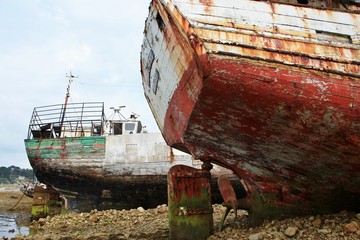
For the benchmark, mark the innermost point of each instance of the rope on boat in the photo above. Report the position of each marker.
(17, 203)
(12, 208)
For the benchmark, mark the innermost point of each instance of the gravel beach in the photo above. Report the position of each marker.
(153, 224)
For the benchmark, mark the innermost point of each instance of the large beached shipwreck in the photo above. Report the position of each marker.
(268, 89)
(99, 162)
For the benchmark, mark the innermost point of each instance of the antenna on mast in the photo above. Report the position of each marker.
(71, 79)
(67, 96)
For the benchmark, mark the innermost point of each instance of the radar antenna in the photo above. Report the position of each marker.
(116, 112)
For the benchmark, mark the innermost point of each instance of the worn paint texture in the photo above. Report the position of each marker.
(46, 202)
(114, 171)
(274, 97)
(102, 163)
(189, 201)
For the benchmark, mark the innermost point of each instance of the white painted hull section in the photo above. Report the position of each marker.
(142, 154)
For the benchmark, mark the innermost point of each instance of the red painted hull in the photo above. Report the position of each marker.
(291, 132)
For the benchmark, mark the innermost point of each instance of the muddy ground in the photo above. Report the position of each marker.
(153, 224)
(12, 200)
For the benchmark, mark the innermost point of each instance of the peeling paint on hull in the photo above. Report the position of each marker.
(121, 171)
(274, 97)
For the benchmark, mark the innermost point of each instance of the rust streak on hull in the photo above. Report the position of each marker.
(277, 103)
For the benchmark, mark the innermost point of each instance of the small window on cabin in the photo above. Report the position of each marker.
(117, 128)
(129, 127)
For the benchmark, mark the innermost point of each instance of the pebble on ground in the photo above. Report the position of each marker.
(153, 224)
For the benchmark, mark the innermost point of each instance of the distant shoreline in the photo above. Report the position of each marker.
(10, 188)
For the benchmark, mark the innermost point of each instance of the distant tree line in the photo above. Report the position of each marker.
(11, 174)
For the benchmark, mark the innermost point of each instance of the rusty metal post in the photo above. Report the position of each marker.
(46, 202)
(189, 200)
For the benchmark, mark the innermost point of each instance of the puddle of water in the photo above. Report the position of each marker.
(12, 224)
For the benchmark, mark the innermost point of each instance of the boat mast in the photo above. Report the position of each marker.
(71, 77)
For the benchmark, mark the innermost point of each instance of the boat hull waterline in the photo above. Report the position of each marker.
(102, 172)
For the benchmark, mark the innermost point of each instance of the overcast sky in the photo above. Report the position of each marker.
(42, 40)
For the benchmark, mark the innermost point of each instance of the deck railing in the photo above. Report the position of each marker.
(76, 120)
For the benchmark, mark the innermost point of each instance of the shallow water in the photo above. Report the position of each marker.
(12, 224)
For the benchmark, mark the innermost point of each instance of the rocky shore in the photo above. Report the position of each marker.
(153, 224)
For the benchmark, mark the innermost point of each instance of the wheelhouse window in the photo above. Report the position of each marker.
(117, 128)
(130, 127)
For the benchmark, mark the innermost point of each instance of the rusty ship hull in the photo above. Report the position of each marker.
(271, 90)
(94, 162)
(124, 171)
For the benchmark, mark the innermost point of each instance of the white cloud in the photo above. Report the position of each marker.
(41, 41)
(113, 79)
(74, 56)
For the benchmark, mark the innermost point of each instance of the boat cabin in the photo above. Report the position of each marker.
(122, 127)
